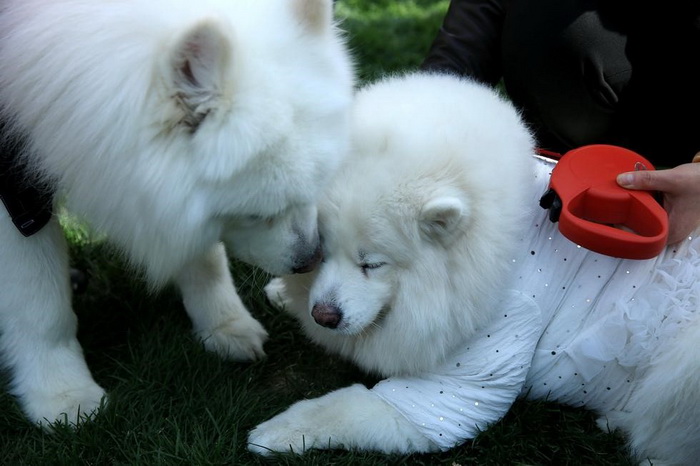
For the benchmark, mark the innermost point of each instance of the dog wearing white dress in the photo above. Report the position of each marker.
(443, 274)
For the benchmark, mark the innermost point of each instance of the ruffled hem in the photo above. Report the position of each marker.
(606, 319)
(662, 307)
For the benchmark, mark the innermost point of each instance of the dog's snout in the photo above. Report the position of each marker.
(310, 262)
(327, 315)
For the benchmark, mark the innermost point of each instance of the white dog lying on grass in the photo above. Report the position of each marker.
(443, 274)
(171, 126)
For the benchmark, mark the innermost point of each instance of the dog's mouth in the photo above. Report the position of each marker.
(381, 315)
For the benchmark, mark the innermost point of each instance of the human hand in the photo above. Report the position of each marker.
(680, 187)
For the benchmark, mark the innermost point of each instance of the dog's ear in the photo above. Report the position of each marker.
(317, 15)
(440, 218)
(198, 65)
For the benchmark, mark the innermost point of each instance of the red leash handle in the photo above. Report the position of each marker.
(600, 215)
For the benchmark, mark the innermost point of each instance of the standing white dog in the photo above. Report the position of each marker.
(171, 126)
(442, 273)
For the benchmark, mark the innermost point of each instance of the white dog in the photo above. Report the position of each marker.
(434, 278)
(171, 126)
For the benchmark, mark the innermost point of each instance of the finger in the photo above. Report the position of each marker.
(649, 180)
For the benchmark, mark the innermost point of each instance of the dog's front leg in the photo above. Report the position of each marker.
(352, 418)
(219, 317)
(38, 327)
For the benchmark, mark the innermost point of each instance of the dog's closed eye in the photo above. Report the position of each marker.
(366, 267)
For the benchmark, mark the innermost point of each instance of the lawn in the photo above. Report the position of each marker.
(173, 403)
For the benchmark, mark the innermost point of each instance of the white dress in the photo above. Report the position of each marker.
(579, 328)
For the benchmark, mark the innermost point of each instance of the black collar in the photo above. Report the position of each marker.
(29, 206)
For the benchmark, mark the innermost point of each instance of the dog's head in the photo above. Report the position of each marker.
(396, 270)
(170, 126)
(262, 96)
(420, 225)
(381, 236)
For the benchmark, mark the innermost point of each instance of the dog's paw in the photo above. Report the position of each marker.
(335, 420)
(239, 339)
(71, 407)
(286, 433)
(276, 292)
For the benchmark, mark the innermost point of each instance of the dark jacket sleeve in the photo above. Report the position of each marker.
(469, 41)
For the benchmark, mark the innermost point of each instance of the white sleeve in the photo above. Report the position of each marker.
(477, 385)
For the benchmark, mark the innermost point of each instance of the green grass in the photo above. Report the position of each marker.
(173, 403)
(390, 36)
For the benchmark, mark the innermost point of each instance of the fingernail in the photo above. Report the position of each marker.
(625, 179)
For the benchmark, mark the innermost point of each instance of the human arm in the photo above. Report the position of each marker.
(680, 187)
(469, 41)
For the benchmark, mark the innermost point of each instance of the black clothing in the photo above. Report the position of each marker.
(586, 71)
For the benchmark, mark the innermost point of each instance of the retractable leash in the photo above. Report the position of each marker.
(595, 212)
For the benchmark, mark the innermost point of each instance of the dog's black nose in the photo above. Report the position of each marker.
(327, 315)
(309, 263)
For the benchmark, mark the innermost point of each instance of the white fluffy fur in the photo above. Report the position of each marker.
(417, 237)
(418, 229)
(402, 202)
(170, 126)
